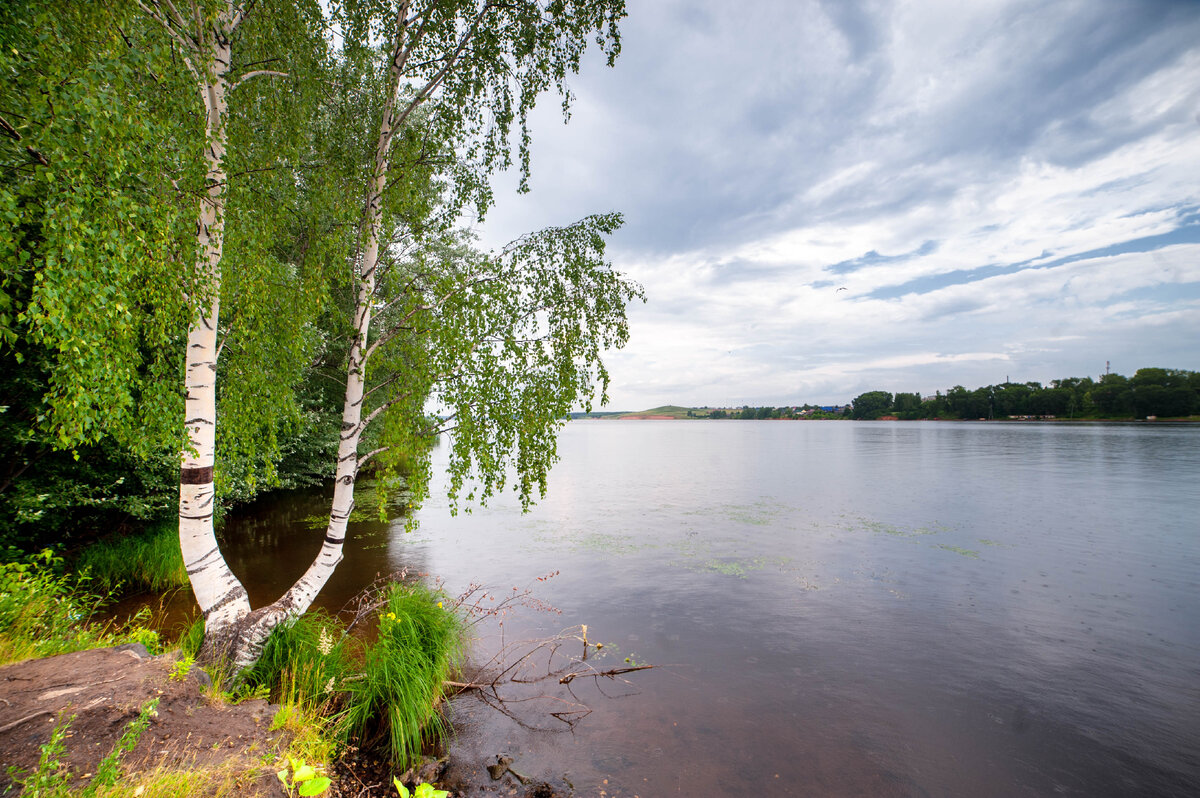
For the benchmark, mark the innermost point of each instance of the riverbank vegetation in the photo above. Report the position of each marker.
(44, 610)
(375, 685)
(1150, 392)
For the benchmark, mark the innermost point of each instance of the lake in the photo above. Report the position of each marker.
(833, 608)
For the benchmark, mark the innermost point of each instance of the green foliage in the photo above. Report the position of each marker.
(508, 54)
(182, 668)
(101, 172)
(420, 791)
(39, 609)
(151, 561)
(872, 404)
(44, 612)
(93, 183)
(109, 770)
(394, 703)
(299, 778)
(51, 778)
(280, 246)
(90, 218)
(504, 346)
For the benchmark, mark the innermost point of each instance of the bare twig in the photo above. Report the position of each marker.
(610, 673)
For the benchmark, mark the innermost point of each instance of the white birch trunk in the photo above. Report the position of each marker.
(301, 595)
(221, 597)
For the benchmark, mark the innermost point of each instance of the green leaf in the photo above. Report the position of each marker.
(304, 773)
(315, 786)
(400, 788)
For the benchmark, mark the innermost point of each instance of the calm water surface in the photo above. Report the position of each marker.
(844, 608)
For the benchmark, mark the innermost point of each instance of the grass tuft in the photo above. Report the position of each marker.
(304, 660)
(394, 704)
(148, 562)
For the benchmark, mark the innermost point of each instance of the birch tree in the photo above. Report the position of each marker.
(103, 166)
(457, 75)
(217, 43)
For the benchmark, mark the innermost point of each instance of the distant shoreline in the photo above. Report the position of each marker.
(622, 416)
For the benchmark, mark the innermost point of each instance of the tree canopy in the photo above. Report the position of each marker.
(206, 202)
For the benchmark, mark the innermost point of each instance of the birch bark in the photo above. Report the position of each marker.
(221, 597)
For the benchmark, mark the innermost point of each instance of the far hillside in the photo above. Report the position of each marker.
(666, 411)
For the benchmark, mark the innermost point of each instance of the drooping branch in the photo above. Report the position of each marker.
(398, 327)
(173, 24)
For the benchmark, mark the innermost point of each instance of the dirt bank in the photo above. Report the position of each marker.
(104, 690)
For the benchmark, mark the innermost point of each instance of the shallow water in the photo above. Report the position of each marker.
(849, 608)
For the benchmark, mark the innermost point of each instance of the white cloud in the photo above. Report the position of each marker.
(755, 148)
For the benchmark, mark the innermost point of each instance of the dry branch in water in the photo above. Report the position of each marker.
(514, 681)
(520, 679)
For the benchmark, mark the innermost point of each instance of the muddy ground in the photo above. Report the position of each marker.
(102, 691)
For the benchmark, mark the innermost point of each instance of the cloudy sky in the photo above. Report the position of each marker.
(1004, 190)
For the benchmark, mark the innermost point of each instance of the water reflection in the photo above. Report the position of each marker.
(847, 608)
(872, 608)
(270, 544)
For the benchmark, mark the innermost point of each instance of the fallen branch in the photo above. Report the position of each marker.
(467, 685)
(16, 723)
(610, 673)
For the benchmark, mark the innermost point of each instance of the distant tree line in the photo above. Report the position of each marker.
(1166, 393)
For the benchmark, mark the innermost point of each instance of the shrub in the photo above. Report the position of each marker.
(44, 612)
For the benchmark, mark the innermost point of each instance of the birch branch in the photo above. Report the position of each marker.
(440, 76)
(363, 460)
(255, 73)
(186, 45)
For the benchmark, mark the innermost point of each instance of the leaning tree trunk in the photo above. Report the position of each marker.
(221, 597)
(254, 629)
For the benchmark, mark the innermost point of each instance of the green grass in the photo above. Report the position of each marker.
(44, 612)
(304, 661)
(147, 562)
(335, 690)
(394, 705)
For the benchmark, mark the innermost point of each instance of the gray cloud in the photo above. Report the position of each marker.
(925, 155)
